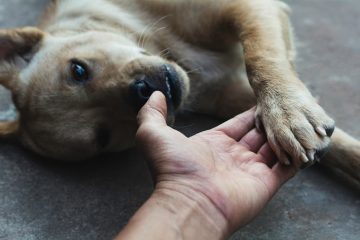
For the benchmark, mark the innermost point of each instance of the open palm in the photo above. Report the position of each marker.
(231, 165)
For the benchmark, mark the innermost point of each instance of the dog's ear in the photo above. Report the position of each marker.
(17, 46)
(9, 129)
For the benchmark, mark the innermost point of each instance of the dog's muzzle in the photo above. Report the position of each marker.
(165, 80)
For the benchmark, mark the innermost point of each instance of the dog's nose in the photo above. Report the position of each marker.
(165, 79)
(141, 90)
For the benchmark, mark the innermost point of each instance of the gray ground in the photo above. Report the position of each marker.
(41, 200)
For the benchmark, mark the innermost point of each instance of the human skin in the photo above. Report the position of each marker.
(206, 186)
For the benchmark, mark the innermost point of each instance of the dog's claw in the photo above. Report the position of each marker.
(311, 155)
(287, 162)
(321, 131)
(304, 158)
(329, 131)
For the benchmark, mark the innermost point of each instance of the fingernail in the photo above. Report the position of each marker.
(321, 131)
(329, 131)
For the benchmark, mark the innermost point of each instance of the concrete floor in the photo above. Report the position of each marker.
(41, 200)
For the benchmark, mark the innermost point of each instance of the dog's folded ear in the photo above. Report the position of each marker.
(10, 129)
(17, 46)
(19, 41)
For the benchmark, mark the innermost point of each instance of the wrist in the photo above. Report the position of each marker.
(169, 214)
(192, 214)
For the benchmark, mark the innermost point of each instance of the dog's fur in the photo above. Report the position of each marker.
(217, 48)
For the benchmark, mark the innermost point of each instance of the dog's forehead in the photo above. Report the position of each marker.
(103, 47)
(89, 41)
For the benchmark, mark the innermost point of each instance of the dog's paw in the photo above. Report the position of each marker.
(297, 128)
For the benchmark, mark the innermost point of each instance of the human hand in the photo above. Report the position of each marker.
(229, 169)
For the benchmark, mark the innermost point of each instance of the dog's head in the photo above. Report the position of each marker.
(78, 96)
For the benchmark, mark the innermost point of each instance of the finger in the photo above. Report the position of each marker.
(152, 129)
(253, 140)
(278, 175)
(283, 173)
(152, 122)
(154, 111)
(238, 126)
(268, 155)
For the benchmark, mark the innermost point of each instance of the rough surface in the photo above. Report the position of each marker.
(41, 200)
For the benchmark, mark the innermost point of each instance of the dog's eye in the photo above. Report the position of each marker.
(79, 71)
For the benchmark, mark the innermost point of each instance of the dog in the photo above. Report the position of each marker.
(79, 78)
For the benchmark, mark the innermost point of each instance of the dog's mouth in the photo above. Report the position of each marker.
(174, 87)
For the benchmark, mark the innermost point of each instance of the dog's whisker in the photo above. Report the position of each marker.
(147, 28)
(164, 52)
(148, 37)
(165, 55)
(196, 70)
(186, 63)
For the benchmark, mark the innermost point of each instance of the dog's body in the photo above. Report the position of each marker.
(71, 79)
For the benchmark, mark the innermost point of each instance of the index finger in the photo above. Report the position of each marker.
(283, 173)
(239, 125)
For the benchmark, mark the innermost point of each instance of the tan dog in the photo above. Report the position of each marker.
(79, 79)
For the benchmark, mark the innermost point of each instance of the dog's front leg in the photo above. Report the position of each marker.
(297, 128)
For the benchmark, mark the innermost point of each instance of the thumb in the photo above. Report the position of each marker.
(154, 111)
